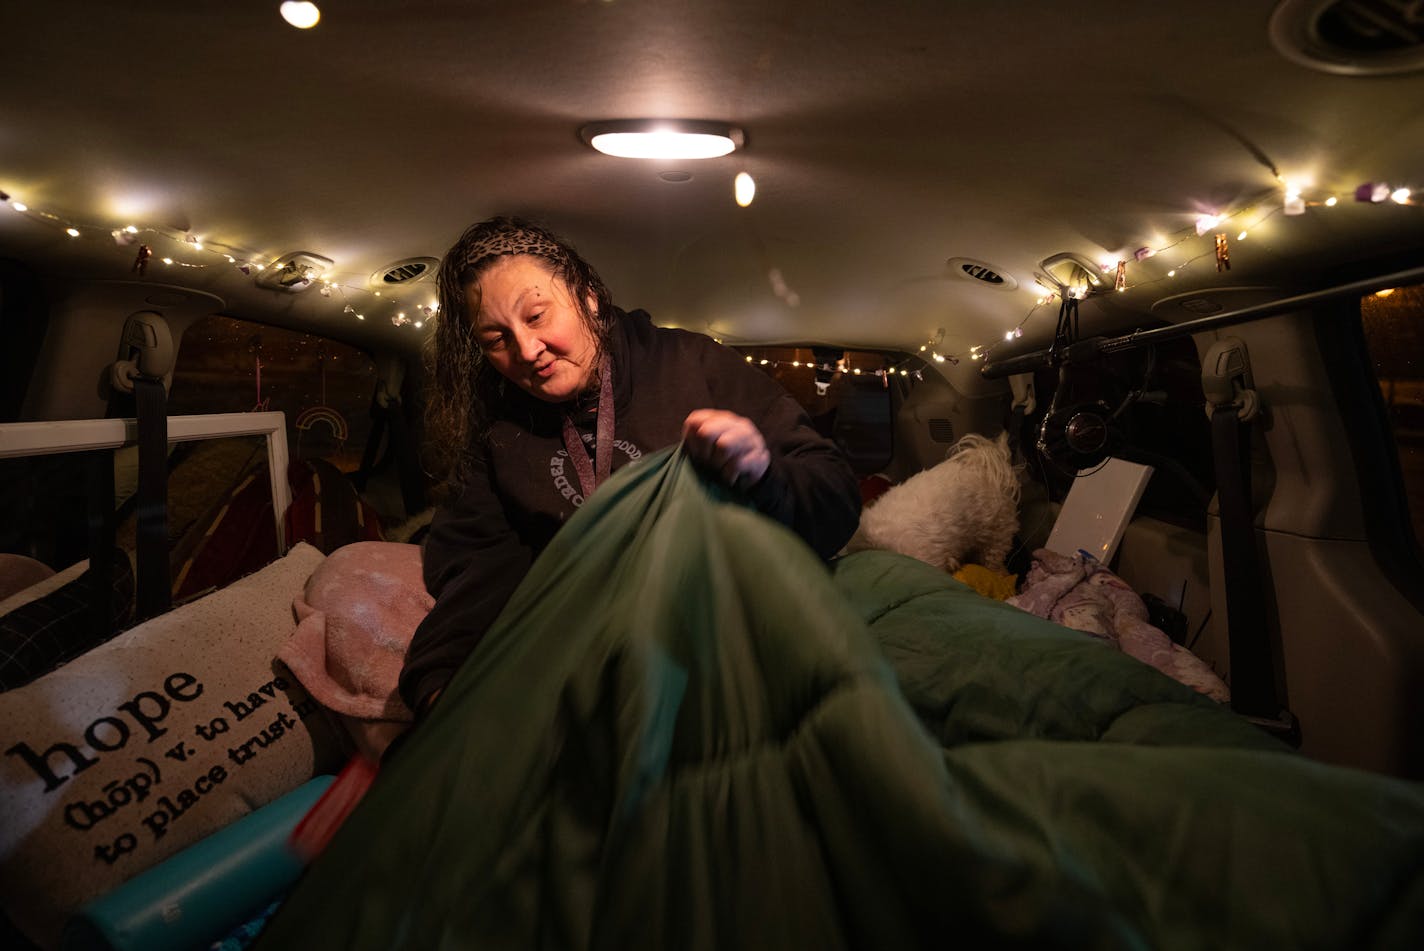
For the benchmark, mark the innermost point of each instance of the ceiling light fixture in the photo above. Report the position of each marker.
(301, 15)
(663, 138)
(744, 189)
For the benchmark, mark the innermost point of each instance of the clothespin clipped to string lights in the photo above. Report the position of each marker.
(1223, 253)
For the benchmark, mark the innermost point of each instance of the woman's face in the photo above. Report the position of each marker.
(529, 329)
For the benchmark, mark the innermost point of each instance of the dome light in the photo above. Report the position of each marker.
(663, 138)
(302, 15)
(744, 189)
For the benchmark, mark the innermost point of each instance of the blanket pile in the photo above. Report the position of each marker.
(683, 731)
(1077, 591)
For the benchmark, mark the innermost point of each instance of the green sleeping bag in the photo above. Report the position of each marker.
(684, 731)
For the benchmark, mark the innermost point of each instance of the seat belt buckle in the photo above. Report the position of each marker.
(1283, 726)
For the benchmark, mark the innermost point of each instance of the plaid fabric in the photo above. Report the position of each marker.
(37, 637)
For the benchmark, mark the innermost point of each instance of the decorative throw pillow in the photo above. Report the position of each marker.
(148, 743)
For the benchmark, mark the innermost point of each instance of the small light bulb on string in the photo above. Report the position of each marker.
(19, 206)
(360, 316)
(1206, 222)
(764, 361)
(1241, 236)
(1331, 202)
(1372, 192)
(749, 359)
(1400, 196)
(939, 358)
(167, 260)
(72, 232)
(419, 324)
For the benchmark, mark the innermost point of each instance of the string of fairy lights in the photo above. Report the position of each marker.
(1285, 198)
(298, 272)
(291, 272)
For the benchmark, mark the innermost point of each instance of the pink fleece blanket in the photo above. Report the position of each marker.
(355, 621)
(1078, 592)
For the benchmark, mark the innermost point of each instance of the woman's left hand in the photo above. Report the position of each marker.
(729, 444)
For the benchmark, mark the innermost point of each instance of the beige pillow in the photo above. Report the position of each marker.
(151, 741)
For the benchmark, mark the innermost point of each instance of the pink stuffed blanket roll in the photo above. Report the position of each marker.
(355, 621)
(1078, 592)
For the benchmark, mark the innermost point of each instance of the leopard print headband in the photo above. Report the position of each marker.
(515, 240)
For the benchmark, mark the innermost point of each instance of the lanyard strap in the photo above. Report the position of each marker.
(593, 474)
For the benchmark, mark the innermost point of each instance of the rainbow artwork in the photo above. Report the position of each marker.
(323, 414)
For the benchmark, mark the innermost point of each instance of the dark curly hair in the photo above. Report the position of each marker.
(462, 386)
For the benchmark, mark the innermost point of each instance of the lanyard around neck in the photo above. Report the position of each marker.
(592, 474)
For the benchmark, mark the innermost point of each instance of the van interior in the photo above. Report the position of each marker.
(1171, 255)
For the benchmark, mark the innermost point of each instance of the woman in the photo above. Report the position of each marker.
(533, 366)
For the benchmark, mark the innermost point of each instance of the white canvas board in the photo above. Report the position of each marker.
(1099, 505)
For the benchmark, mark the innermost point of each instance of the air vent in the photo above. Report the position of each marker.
(942, 430)
(1351, 37)
(404, 272)
(982, 273)
(1200, 305)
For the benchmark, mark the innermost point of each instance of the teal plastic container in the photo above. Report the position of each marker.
(193, 898)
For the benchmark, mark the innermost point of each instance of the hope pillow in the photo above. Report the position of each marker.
(152, 741)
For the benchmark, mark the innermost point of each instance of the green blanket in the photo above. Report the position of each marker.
(685, 732)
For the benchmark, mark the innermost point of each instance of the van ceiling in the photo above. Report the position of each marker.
(885, 139)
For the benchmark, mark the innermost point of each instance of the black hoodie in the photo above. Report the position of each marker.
(524, 487)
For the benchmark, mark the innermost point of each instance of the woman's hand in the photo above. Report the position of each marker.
(728, 444)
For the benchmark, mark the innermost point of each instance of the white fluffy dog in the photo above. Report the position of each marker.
(964, 509)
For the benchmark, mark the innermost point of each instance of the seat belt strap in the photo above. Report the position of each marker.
(1253, 690)
(154, 593)
(101, 523)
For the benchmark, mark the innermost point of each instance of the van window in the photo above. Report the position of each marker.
(854, 409)
(227, 365)
(1394, 332)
